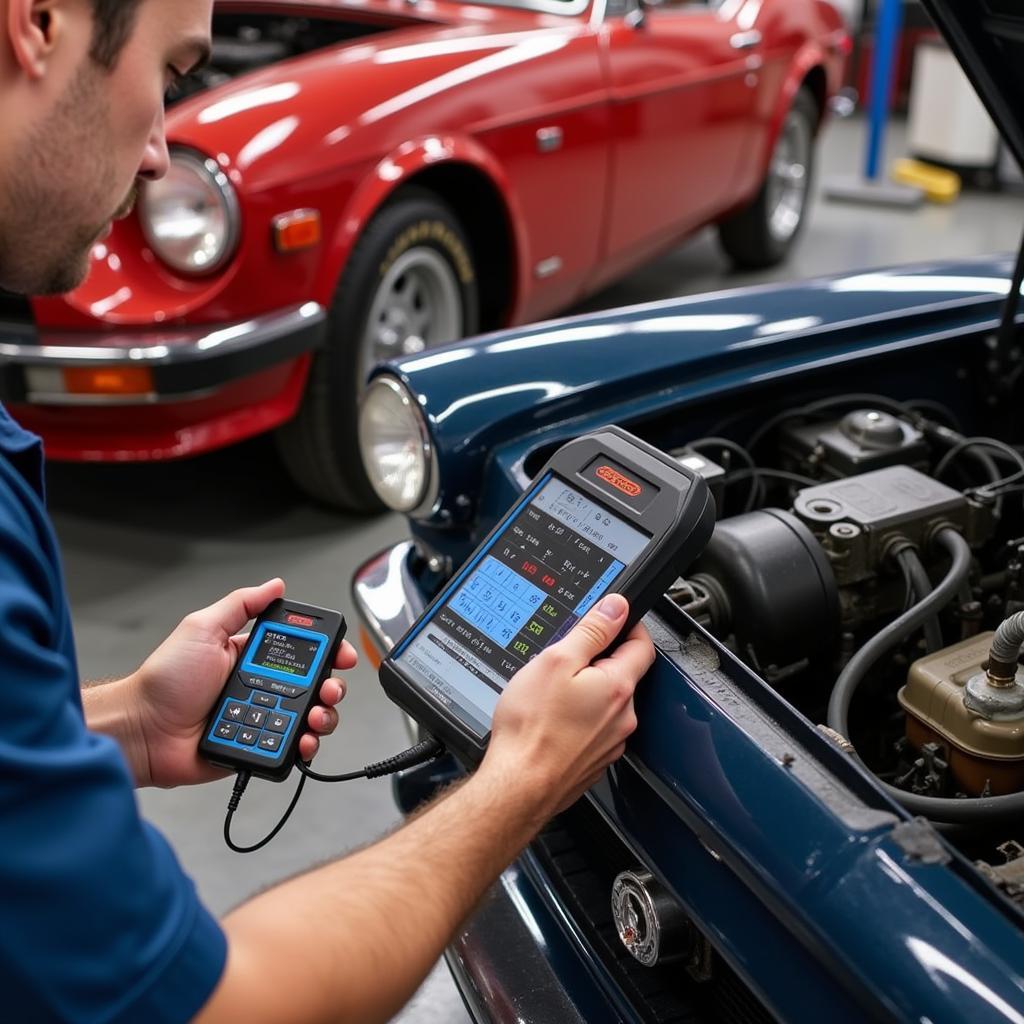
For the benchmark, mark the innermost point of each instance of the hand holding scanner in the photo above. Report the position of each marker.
(261, 713)
(608, 512)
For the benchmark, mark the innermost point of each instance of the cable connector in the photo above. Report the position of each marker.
(241, 782)
(426, 750)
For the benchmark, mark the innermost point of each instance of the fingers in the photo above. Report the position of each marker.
(594, 632)
(333, 691)
(633, 657)
(347, 657)
(323, 721)
(308, 747)
(232, 612)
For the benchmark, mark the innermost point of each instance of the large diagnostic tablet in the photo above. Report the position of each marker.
(607, 513)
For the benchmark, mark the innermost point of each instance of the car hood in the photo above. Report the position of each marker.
(987, 37)
(365, 95)
(615, 367)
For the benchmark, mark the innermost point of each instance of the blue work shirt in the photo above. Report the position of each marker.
(98, 922)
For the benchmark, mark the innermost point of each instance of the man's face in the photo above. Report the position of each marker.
(78, 164)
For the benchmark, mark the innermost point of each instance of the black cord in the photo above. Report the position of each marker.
(241, 782)
(424, 751)
(726, 445)
(983, 442)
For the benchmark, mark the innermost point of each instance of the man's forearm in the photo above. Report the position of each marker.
(109, 709)
(352, 941)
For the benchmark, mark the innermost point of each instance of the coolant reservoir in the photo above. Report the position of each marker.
(980, 728)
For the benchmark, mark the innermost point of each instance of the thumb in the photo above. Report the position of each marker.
(596, 630)
(232, 612)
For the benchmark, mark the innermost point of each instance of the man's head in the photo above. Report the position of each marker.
(82, 85)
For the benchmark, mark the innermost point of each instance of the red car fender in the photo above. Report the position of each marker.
(399, 168)
(809, 57)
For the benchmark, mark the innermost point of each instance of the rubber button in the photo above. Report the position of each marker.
(226, 730)
(248, 737)
(278, 723)
(255, 717)
(268, 741)
(264, 700)
(234, 712)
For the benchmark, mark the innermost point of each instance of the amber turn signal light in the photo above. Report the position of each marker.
(108, 380)
(373, 656)
(297, 230)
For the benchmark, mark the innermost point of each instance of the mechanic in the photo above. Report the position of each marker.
(97, 920)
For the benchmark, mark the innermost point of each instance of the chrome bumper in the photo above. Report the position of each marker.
(184, 361)
(386, 595)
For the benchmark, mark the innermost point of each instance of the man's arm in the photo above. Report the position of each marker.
(350, 942)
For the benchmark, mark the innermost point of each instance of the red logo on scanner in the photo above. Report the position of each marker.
(299, 620)
(620, 482)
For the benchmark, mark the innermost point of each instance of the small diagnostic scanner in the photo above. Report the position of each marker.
(260, 715)
(607, 513)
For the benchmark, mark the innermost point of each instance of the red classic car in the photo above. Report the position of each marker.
(359, 179)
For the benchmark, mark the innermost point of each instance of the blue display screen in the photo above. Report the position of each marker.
(525, 590)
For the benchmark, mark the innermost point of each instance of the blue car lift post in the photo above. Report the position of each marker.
(870, 188)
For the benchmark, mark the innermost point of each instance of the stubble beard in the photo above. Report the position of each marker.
(56, 191)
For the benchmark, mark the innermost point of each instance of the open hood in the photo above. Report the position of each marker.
(987, 37)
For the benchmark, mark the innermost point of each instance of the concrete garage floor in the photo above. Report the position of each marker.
(143, 545)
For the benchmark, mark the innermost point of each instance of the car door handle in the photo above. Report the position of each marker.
(745, 40)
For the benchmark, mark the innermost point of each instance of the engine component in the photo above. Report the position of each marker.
(857, 520)
(770, 584)
(863, 440)
(1008, 876)
(650, 923)
(712, 472)
(979, 727)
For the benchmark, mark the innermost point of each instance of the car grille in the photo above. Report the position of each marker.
(582, 856)
(15, 308)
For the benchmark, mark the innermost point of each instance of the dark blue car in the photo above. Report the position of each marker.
(821, 815)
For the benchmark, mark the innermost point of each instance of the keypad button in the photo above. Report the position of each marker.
(226, 730)
(264, 700)
(270, 741)
(254, 682)
(234, 712)
(255, 717)
(248, 736)
(278, 723)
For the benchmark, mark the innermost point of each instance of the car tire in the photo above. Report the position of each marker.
(762, 233)
(409, 284)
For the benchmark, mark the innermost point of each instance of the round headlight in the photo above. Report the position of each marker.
(395, 445)
(191, 217)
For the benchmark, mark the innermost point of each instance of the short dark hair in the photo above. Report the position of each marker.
(113, 21)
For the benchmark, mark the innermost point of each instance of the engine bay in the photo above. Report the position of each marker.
(244, 42)
(868, 563)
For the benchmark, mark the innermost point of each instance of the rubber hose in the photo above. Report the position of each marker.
(922, 588)
(1006, 645)
(899, 629)
(969, 811)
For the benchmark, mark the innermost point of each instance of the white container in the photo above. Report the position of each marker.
(946, 120)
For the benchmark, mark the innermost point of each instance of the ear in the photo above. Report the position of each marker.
(33, 28)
